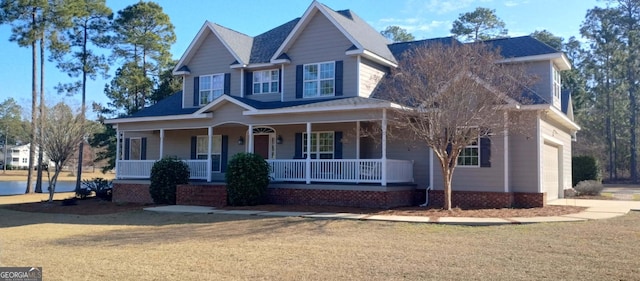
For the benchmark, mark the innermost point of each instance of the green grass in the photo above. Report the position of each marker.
(155, 246)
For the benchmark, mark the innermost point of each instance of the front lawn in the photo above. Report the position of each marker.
(139, 245)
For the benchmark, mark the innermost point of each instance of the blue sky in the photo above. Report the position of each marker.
(423, 18)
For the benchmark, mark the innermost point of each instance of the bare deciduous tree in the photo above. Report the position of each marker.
(62, 132)
(452, 96)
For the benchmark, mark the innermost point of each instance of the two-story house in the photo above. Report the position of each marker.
(300, 94)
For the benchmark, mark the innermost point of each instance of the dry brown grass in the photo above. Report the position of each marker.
(158, 246)
(21, 175)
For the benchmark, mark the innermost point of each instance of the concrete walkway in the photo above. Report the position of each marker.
(597, 210)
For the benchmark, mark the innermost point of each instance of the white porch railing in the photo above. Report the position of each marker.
(322, 170)
(342, 170)
(141, 169)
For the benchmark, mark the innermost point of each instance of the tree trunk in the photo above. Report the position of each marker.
(34, 99)
(446, 177)
(40, 118)
(83, 108)
(53, 181)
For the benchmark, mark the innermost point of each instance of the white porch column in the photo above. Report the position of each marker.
(308, 160)
(209, 150)
(506, 152)
(161, 143)
(118, 139)
(358, 138)
(250, 140)
(384, 147)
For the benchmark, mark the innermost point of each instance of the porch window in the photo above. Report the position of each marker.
(216, 151)
(266, 81)
(321, 145)
(135, 149)
(319, 79)
(470, 155)
(211, 87)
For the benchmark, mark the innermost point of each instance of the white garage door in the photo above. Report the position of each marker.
(550, 167)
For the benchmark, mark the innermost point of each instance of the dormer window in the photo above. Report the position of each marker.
(266, 81)
(319, 79)
(557, 87)
(211, 87)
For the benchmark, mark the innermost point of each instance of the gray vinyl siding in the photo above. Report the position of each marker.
(549, 128)
(370, 75)
(212, 57)
(490, 179)
(542, 72)
(321, 41)
(523, 157)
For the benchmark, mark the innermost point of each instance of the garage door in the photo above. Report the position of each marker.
(550, 176)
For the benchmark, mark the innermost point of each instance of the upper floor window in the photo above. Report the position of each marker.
(211, 87)
(266, 81)
(321, 145)
(319, 79)
(557, 87)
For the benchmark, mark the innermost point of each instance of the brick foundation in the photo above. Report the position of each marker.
(216, 196)
(201, 195)
(474, 199)
(351, 198)
(131, 193)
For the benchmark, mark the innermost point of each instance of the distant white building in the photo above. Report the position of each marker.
(17, 156)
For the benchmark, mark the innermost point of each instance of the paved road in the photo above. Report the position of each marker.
(623, 191)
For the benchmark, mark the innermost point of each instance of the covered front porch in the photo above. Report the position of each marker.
(335, 152)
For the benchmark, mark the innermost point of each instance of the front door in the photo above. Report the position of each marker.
(261, 145)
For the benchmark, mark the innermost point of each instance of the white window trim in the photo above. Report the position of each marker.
(206, 142)
(131, 148)
(317, 152)
(210, 95)
(277, 81)
(319, 80)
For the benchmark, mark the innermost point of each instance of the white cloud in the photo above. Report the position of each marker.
(513, 3)
(442, 6)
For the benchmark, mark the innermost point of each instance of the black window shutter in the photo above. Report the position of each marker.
(337, 145)
(485, 152)
(298, 146)
(143, 149)
(227, 83)
(224, 155)
(194, 147)
(127, 146)
(280, 81)
(338, 77)
(196, 91)
(299, 81)
(248, 83)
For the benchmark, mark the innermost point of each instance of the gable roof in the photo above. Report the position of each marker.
(367, 41)
(527, 48)
(398, 49)
(266, 44)
(238, 44)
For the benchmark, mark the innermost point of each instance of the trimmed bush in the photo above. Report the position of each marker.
(103, 189)
(584, 168)
(166, 174)
(247, 179)
(588, 188)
